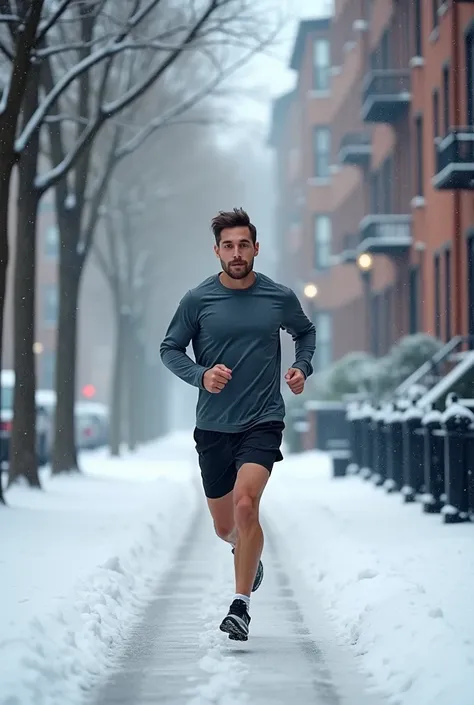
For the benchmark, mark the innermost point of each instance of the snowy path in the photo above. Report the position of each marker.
(178, 656)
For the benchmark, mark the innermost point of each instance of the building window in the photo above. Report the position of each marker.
(470, 286)
(375, 325)
(322, 242)
(446, 99)
(321, 64)
(50, 303)
(418, 29)
(47, 369)
(470, 77)
(435, 114)
(414, 300)
(447, 293)
(437, 301)
(388, 319)
(51, 241)
(322, 152)
(323, 351)
(419, 155)
(434, 9)
(387, 181)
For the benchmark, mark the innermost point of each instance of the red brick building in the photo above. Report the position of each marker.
(380, 128)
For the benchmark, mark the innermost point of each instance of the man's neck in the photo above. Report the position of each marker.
(244, 283)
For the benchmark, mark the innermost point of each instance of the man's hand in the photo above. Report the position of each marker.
(295, 379)
(216, 378)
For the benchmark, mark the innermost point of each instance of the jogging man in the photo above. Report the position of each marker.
(233, 320)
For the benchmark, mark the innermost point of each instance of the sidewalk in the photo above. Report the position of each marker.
(178, 656)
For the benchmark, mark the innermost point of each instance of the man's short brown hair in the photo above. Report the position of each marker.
(236, 218)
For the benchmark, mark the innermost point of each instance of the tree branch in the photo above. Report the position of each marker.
(6, 51)
(12, 99)
(183, 107)
(116, 106)
(97, 57)
(100, 190)
(54, 17)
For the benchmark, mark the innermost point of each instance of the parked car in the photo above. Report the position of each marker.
(92, 424)
(43, 422)
(91, 420)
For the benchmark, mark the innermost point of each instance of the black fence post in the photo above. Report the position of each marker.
(413, 454)
(379, 450)
(433, 462)
(355, 437)
(458, 422)
(366, 414)
(394, 436)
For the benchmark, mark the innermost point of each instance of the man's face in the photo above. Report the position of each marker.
(236, 252)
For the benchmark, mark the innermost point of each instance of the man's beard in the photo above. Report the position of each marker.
(237, 272)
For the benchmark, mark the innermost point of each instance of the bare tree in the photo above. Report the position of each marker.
(93, 64)
(16, 48)
(219, 35)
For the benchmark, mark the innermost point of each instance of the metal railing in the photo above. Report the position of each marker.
(386, 227)
(433, 368)
(456, 148)
(385, 83)
(354, 140)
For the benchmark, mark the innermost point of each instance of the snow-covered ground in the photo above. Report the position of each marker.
(398, 585)
(78, 562)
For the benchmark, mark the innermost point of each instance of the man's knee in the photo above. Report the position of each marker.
(246, 511)
(224, 529)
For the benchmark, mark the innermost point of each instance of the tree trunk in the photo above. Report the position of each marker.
(23, 454)
(141, 392)
(116, 421)
(131, 385)
(5, 180)
(70, 270)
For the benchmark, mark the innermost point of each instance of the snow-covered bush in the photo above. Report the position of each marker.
(352, 374)
(361, 373)
(405, 357)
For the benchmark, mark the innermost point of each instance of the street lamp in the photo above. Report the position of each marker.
(310, 291)
(365, 263)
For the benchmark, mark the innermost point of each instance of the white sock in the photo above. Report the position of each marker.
(244, 598)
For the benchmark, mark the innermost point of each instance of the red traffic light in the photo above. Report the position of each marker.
(88, 391)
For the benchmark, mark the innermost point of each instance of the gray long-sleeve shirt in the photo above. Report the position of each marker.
(239, 328)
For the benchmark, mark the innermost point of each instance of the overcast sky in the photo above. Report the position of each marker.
(272, 71)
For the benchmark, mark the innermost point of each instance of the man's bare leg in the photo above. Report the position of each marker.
(248, 490)
(222, 512)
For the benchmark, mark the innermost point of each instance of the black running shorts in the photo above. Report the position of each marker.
(221, 455)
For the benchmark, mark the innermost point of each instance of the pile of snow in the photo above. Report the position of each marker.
(80, 562)
(396, 583)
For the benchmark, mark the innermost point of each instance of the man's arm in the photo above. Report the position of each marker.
(303, 332)
(182, 329)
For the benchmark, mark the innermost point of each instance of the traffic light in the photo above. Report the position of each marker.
(88, 391)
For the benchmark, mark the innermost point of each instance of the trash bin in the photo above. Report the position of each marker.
(433, 461)
(394, 448)
(458, 422)
(413, 454)
(332, 432)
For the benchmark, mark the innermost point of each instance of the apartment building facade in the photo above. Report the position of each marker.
(387, 237)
